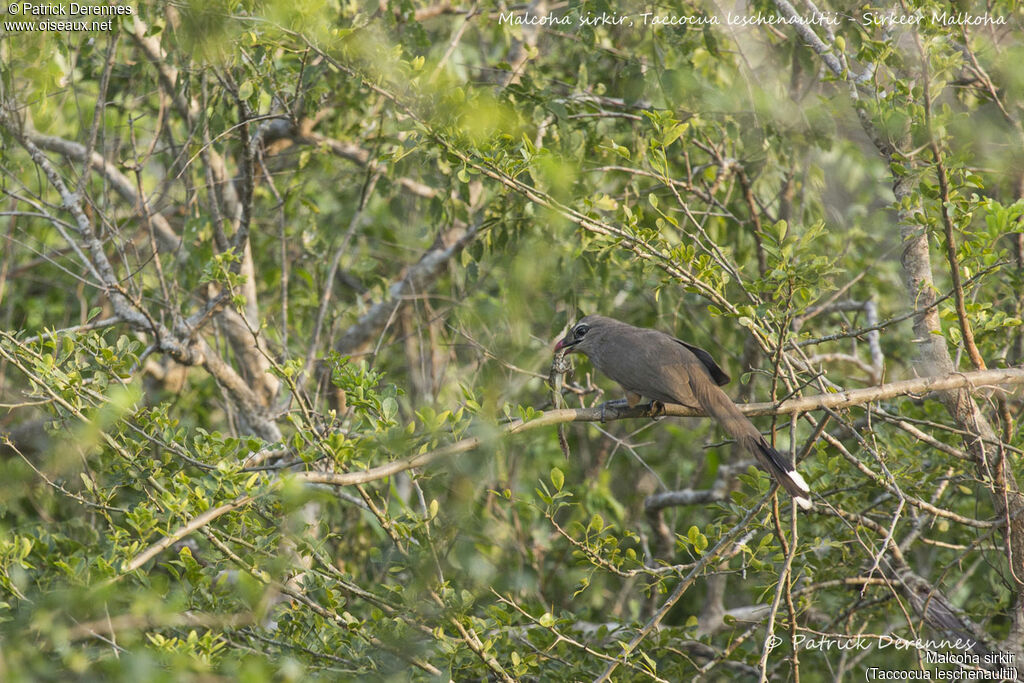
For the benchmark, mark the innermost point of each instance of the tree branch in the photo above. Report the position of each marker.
(424, 271)
(96, 259)
(613, 411)
(934, 352)
(121, 183)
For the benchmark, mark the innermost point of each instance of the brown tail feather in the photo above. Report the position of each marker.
(715, 402)
(784, 473)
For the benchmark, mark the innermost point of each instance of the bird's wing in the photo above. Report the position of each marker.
(719, 375)
(653, 365)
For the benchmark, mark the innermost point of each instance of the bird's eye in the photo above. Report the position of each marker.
(580, 331)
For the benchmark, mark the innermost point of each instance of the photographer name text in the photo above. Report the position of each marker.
(71, 9)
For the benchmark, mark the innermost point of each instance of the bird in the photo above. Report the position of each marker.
(651, 364)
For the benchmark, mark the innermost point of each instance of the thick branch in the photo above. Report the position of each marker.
(119, 181)
(422, 273)
(658, 501)
(934, 353)
(184, 530)
(243, 332)
(613, 411)
(250, 404)
(95, 259)
(176, 344)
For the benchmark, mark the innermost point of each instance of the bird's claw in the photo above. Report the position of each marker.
(656, 409)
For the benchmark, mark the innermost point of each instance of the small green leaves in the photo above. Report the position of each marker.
(557, 478)
(605, 203)
(389, 409)
(673, 133)
(695, 540)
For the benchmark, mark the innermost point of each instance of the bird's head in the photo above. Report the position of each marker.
(585, 334)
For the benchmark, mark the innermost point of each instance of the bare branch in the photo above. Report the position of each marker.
(126, 309)
(121, 183)
(613, 411)
(416, 278)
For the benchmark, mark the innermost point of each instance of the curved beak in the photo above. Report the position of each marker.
(566, 343)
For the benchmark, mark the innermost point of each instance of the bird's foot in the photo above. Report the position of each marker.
(656, 409)
(616, 404)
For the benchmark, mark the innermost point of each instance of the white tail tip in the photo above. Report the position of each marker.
(803, 501)
(799, 481)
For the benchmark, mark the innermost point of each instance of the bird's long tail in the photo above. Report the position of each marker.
(718, 405)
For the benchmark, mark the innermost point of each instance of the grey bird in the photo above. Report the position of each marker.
(653, 365)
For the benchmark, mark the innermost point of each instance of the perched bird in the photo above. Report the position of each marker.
(651, 364)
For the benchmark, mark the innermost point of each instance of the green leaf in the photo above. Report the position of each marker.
(673, 133)
(389, 409)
